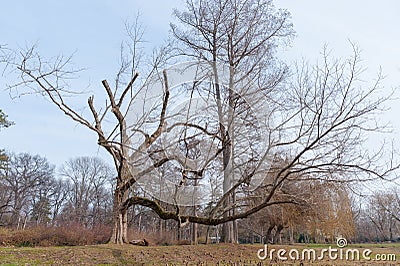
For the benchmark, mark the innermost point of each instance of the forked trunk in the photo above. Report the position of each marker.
(119, 234)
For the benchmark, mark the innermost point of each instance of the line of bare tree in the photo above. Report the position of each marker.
(31, 194)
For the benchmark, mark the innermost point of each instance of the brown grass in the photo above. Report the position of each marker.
(217, 254)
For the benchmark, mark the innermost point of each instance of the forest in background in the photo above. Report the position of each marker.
(73, 206)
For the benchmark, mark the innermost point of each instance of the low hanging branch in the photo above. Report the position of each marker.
(169, 215)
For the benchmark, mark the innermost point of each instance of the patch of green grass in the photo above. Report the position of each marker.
(378, 245)
(312, 245)
(10, 259)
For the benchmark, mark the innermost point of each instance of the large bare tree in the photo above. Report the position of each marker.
(317, 117)
(223, 125)
(243, 35)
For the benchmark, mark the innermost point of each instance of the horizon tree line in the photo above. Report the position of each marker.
(33, 194)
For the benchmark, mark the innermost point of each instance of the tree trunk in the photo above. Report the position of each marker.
(235, 231)
(194, 234)
(268, 234)
(160, 228)
(178, 233)
(25, 220)
(291, 236)
(119, 233)
(208, 235)
(277, 234)
(229, 229)
(19, 218)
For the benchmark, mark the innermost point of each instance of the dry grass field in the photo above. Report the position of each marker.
(216, 254)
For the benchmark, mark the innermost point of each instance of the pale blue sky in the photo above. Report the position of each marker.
(95, 29)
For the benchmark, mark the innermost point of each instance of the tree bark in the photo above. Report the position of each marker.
(119, 233)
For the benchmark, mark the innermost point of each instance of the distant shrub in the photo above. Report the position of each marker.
(182, 242)
(154, 238)
(202, 240)
(78, 235)
(5, 235)
(71, 235)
